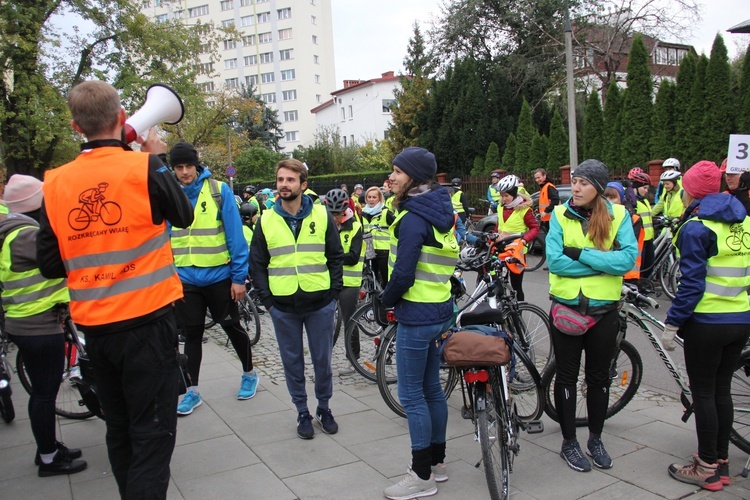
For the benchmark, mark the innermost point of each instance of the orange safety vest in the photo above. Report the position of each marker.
(635, 273)
(119, 263)
(544, 202)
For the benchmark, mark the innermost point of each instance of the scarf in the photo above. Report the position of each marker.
(374, 210)
(516, 201)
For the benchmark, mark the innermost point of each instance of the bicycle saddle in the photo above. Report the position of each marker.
(484, 314)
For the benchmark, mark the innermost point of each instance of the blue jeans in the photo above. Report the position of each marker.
(419, 388)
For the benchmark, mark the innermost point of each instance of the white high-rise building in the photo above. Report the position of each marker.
(285, 51)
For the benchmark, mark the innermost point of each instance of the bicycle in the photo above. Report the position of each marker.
(665, 257)
(249, 314)
(7, 411)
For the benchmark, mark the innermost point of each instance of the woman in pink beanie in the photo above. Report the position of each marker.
(711, 313)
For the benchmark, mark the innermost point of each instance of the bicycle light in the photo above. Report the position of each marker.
(391, 316)
(476, 376)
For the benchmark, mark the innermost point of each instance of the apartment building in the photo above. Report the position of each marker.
(285, 51)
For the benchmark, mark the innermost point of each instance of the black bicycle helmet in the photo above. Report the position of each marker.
(250, 190)
(456, 182)
(337, 200)
(248, 211)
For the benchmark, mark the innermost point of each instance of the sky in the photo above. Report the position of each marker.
(370, 38)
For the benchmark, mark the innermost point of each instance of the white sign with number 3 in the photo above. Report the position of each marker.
(738, 157)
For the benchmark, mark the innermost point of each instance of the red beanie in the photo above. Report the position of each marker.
(702, 179)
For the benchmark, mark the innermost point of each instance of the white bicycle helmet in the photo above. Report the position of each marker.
(670, 175)
(671, 163)
(507, 183)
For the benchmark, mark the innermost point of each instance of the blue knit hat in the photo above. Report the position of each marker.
(620, 190)
(417, 163)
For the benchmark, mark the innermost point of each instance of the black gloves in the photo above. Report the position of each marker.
(572, 252)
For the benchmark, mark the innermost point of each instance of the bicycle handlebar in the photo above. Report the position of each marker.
(632, 293)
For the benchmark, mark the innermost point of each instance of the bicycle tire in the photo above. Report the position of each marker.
(665, 280)
(535, 256)
(674, 276)
(69, 403)
(250, 318)
(492, 422)
(740, 390)
(337, 323)
(7, 411)
(531, 329)
(362, 341)
(629, 373)
(209, 321)
(526, 387)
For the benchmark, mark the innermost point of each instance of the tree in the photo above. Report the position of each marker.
(743, 104)
(509, 155)
(538, 154)
(593, 128)
(718, 121)
(685, 82)
(524, 135)
(612, 121)
(663, 122)
(558, 153)
(478, 165)
(693, 150)
(636, 118)
(492, 159)
(256, 163)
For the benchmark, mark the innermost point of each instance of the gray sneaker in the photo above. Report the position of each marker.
(411, 486)
(573, 455)
(598, 454)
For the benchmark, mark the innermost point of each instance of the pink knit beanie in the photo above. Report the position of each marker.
(702, 179)
(23, 194)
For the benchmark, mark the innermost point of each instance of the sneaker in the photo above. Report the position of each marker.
(598, 454)
(190, 401)
(61, 465)
(71, 453)
(411, 486)
(724, 472)
(573, 455)
(248, 387)
(440, 473)
(325, 418)
(304, 425)
(698, 472)
(346, 371)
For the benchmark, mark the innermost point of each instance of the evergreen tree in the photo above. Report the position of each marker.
(538, 154)
(478, 166)
(696, 109)
(509, 155)
(685, 82)
(718, 121)
(593, 128)
(524, 135)
(663, 122)
(492, 159)
(612, 108)
(743, 103)
(558, 153)
(637, 107)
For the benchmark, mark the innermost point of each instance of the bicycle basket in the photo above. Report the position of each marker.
(369, 246)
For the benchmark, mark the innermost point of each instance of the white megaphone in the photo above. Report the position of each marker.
(162, 105)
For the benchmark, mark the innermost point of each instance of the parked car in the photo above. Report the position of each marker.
(489, 223)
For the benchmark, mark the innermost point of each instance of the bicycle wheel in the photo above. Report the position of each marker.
(493, 432)
(69, 403)
(362, 339)
(674, 277)
(7, 412)
(209, 321)
(535, 256)
(665, 276)
(740, 433)
(526, 387)
(626, 378)
(530, 327)
(337, 322)
(250, 318)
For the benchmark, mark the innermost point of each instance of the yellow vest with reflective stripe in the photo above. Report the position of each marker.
(204, 243)
(643, 208)
(602, 286)
(28, 293)
(389, 203)
(673, 206)
(352, 274)
(434, 267)
(495, 194)
(727, 272)
(457, 205)
(514, 224)
(248, 234)
(301, 263)
(380, 237)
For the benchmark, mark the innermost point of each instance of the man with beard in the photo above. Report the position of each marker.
(297, 267)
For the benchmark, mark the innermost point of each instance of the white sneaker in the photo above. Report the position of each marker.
(348, 370)
(411, 486)
(440, 473)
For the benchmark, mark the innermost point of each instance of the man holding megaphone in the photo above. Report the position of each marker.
(123, 283)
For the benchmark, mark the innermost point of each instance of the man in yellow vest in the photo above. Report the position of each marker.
(297, 267)
(211, 259)
(493, 196)
(122, 282)
(458, 198)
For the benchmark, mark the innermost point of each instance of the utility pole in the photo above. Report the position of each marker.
(572, 128)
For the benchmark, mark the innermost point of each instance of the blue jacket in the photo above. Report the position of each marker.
(425, 211)
(236, 243)
(591, 261)
(697, 243)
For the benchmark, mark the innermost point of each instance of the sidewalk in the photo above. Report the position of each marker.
(249, 449)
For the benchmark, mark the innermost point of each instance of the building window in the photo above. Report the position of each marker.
(343, 114)
(251, 81)
(317, 78)
(230, 63)
(352, 139)
(289, 95)
(261, 1)
(285, 34)
(246, 3)
(316, 59)
(266, 78)
(251, 60)
(230, 44)
(145, 4)
(204, 68)
(351, 112)
(248, 40)
(284, 13)
(266, 57)
(207, 87)
(157, 3)
(313, 20)
(344, 141)
(198, 11)
(315, 40)
(286, 54)
(228, 23)
(179, 14)
(287, 74)
(317, 97)
(388, 104)
(271, 97)
(161, 18)
(205, 48)
(292, 136)
(264, 17)
(232, 83)
(291, 116)
(247, 20)
(227, 4)
(265, 37)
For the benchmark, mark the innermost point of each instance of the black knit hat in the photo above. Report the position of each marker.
(417, 163)
(183, 153)
(594, 172)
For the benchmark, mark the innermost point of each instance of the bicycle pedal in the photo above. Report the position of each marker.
(534, 426)
(466, 413)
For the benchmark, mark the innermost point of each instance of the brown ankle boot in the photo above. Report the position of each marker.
(698, 472)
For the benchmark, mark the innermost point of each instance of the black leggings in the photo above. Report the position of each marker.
(599, 344)
(711, 355)
(380, 266)
(516, 281)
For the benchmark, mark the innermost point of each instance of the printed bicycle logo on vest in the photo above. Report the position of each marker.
(94, 208)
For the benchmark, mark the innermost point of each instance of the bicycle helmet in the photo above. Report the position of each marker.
(641, 178)
(633, 172)
(248, 211)
(669, 175)
(266, 191)
(507, 183)
(671, 163)
(472, 257)
(337, 200)
(358, 186)
(250, 190)
(456, 182)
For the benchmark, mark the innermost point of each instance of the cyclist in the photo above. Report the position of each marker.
(615, 193)
(248, 193)
(249, 214)
(516, 217)
(641, 183)
(671, 198)
(549, 198)
(738, 183)
(31, 319)
(423, 258)
(268, 197)
(669, 165)
(374, 213)
(590, 246)
(492, 195)
(350, 234)
(458, 198)
(711, 314)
